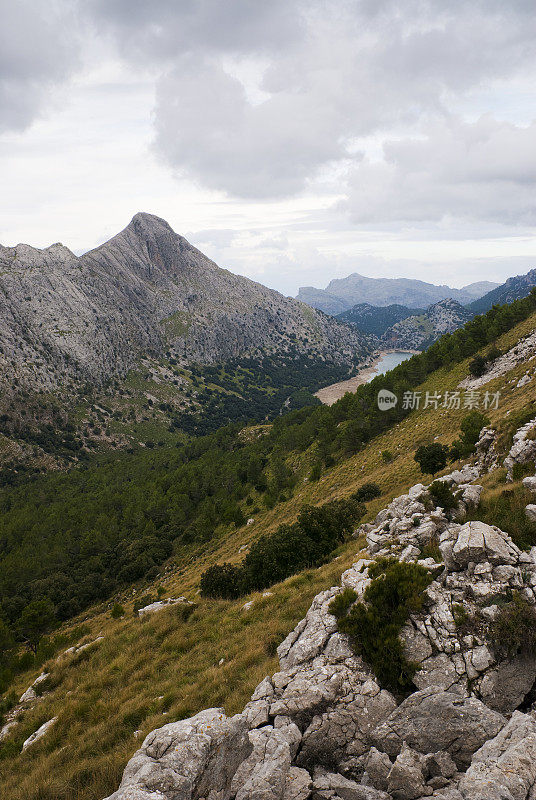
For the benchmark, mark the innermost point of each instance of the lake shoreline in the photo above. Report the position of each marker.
(330, 394)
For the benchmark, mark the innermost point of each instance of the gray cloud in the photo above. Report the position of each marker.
(37, 51)
(482, 171)
(330, 71)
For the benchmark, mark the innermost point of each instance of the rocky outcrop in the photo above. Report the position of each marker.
(39, 733)
(158, 605)
(324, 728)
(523, 351)
(188, 760)
(523, 450)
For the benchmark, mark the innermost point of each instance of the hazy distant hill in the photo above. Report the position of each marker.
(342, 294)
(513, 289)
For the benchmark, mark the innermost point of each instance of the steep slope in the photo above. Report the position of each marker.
(375, 320)
(145, 291)
(419, 331)
(144, 336)
(343, 293)
(513, 289)
(163, 668)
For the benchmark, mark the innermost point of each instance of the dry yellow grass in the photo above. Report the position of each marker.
(146, 673)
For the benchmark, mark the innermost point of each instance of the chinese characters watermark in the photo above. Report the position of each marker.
(448, 401)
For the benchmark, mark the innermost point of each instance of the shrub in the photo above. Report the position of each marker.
(367, 492)
(471, 426)
(459, 615)
(396, 591)
(290, 549)
(316, 472)
(432, 457)
(478, 366)
(513, 631)
(387, 456)
(493, 353)
(431, 550)
(443, 495)
(222, 580)
(117, 611)
(36, 620)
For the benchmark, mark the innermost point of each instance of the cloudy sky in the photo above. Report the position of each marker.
(293, 141)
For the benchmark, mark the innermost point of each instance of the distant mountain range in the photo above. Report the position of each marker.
(400, 326)
(342, 294)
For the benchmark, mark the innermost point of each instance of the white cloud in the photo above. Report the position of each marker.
(480, 172)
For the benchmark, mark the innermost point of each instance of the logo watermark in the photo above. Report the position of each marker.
(447, 401)
(386, 400)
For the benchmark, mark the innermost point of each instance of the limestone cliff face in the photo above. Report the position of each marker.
(146, 291)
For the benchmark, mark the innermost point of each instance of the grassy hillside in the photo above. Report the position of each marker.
(145, 673)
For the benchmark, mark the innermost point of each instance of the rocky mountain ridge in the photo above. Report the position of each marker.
(341, 294)
(514, 288)
(324, 728)
(144, 292)
(419, 331)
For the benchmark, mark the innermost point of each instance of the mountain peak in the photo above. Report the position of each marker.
(147, 225)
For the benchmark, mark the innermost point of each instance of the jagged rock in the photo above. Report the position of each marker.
(377, 768)
(39, 733)
(530, 511)
(485, 450)
(471, 495)
(158, 605)
(430, 720)
(311, 634)
(306, 692)
(298, 785)
(327, 785)
(406, 778)
(30, 695)
(530, 483)
(504, 687)
(523, 449)
(262, 776)
(504, 768)
(477, 542)
(188, 760)
(343, 733)
(439, 765)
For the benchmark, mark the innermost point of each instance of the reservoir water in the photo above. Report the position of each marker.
(385, 362)
(389, 361)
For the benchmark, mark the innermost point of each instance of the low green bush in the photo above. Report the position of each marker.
(443, 495)
(291, 548)
(395, 592)
(471, 425)
(513, 631)
(117, 611)
(432, 457)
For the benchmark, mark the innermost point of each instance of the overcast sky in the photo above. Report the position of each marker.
(291, 141)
